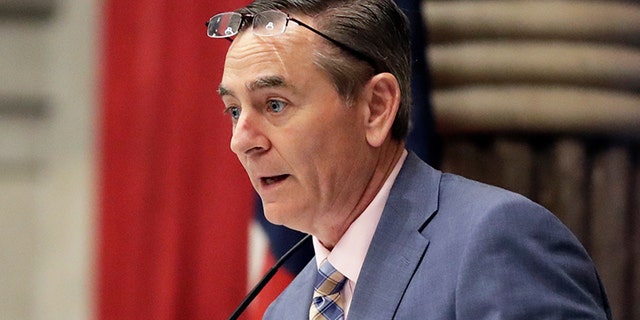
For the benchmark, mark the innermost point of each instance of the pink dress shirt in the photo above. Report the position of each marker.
(348, 254)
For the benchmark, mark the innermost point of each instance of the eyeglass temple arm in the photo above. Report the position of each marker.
(354, 52)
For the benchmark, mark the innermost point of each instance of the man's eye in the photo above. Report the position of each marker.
(234, 112)
(276, 105)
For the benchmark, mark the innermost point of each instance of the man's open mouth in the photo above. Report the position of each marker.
(275, 179)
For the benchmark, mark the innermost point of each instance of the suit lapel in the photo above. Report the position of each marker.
(397, 247)
(294, 302)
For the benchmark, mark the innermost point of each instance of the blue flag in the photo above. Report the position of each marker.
(422, 139)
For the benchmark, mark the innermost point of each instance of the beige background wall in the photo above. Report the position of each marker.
(47, 132)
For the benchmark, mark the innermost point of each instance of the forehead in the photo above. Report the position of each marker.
(286, 55)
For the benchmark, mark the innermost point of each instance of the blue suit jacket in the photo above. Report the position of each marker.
(450, 248)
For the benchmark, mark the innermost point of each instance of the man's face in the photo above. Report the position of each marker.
(304, 150)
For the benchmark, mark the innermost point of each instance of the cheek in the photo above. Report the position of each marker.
(327, 140)
(331, 150)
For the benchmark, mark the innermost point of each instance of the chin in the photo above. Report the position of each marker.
(273, 219)
(282, 217)
(274, 215)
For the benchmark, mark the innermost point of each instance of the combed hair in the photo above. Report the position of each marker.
(375, 27)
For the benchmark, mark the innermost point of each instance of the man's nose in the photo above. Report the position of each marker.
(248, 136)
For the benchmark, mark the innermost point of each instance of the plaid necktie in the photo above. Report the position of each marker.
(326, 303)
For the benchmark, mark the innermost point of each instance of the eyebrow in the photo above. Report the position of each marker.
(260, 83)
(266, 82)
(222, 91)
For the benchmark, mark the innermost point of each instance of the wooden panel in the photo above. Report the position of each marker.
(504, 162)
(609, 220)
(470, 158)
(561, 184)
(535, 66)
(542, 109)
(558, 74)
(536, 61)
(514, 165)
(603, 21)
(634, 283)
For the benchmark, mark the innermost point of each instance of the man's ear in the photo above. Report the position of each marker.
(383, 98)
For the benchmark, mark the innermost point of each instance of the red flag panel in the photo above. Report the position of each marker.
(174, 201)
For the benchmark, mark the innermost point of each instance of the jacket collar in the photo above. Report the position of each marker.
(398, 246)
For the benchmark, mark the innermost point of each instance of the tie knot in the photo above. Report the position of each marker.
(329, 280)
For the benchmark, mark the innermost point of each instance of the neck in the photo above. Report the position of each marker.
(387, 159)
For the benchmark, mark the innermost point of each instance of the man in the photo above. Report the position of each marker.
(318, 95)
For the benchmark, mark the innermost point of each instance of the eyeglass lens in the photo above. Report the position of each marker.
(266, 23)
(269, 23)
(224, 25)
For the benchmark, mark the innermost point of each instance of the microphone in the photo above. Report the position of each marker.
(267, 277)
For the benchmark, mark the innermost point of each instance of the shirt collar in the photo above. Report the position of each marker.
(348, 254)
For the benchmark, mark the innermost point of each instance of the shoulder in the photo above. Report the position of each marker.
(510, 244)
(438, 201)
(480, 203)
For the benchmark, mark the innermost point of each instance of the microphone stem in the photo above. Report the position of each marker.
(263, 282)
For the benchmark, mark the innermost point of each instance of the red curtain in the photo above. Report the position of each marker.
(174, 201)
